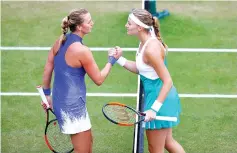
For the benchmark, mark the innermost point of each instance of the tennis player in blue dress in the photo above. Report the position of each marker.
(160, 95)
(70, 60)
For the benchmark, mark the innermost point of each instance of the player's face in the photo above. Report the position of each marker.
(132, 27)
(87, 25)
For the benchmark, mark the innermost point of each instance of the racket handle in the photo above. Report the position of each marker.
(166, 118)
(42, 95)
(163, 118)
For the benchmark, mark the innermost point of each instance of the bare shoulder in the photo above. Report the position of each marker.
(56, 46)
(153, 46)
(79, 48)
(155, 49)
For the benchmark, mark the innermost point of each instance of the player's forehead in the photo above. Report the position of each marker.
(87, 17)
(131, 21)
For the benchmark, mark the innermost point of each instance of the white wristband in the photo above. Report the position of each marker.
(121, 61)
(156, 106)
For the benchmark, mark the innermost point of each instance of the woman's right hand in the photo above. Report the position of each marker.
(119, 51)
(114, 54)
(111, 52)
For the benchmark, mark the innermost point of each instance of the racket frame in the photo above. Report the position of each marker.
(46, 128)
(44, 100)
(123, 105)
(141, 115)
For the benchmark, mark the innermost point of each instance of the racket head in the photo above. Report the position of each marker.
(120, 114)
(56, 141)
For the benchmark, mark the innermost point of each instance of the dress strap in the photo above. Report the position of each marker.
(144, 46)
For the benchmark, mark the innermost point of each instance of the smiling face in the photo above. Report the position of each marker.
(132, 27)
(138, 20)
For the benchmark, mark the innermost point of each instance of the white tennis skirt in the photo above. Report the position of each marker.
(73, 125)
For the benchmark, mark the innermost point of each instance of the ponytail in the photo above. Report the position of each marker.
(62, 39)
(156, 27)
(64, 27)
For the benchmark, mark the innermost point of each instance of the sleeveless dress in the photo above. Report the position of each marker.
(69, 92)
(152, 85)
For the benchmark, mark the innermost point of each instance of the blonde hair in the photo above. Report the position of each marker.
(71, 21)
(146, 17)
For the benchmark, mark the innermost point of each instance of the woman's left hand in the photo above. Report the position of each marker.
(150, 115)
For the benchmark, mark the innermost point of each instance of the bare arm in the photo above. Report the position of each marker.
(127, 64)
(48, 69)
(154, 55)
(49, 66)
(89, 64)
(131, 66)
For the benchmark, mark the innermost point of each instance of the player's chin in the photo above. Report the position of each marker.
(89, 30)
(129, 33)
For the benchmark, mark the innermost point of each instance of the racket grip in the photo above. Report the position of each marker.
(166, 118)
(163, 118)
(42, 95)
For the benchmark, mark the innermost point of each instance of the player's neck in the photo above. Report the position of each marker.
(143, 37)
(80, 34)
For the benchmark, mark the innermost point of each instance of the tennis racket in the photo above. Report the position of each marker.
(56, 141)
(124, 115)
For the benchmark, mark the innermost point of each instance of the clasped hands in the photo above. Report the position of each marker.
(114, 54)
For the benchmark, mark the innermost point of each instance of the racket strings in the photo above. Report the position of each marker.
(120, 114)
(59, 142)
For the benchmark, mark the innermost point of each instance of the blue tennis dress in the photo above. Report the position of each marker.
(152, 85)
(69, 92)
